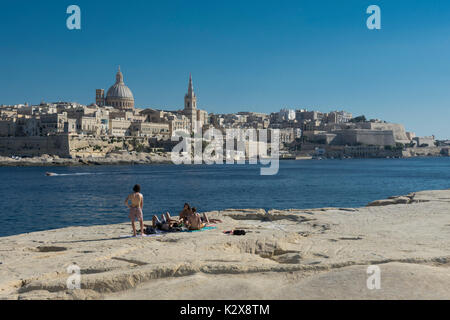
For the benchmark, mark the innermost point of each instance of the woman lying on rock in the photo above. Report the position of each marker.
(205, 217)
(188, 219)
(166, 223)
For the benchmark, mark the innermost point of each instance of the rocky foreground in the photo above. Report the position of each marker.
(291, 254)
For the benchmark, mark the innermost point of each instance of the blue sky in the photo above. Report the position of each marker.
(244, 55)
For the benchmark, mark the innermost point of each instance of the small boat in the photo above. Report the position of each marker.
(50, 174)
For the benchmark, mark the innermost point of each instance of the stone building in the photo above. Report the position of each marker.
(153, 115)
(313, 116)
(425, 141)
(52, 123)
(339, 117)
(7, 128)
(89, 126)
(202, 117)
(285, 115)
(119, 127)
(28, 126)
(149, 129)
(178, 123)
(287, 135)
(70, 127)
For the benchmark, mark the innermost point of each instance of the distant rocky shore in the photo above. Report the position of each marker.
(124, 158)
(285, 254)
(109, 159)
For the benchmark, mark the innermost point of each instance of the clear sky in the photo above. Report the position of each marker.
(244, 55)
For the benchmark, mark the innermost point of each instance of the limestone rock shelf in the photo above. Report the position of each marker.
(286, 254)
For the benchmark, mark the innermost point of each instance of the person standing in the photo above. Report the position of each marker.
(137, 204)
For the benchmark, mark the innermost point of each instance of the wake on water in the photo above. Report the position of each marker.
(71, 174)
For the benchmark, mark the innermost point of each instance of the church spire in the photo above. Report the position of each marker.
(119, 76)
(190, 87)
(190, 100)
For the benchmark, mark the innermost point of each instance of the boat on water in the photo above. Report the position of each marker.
(50, 174)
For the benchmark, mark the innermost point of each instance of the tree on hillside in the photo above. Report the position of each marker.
(359, 119)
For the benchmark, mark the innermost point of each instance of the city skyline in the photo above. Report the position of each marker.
(273, 56)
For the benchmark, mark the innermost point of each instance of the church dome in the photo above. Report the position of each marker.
(119, 89)
(119, 95)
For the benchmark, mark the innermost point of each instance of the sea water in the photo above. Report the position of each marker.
(32, 201)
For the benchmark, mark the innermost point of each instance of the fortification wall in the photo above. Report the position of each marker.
(364, 137)
(68, 146)
(398, 129)
(424, 152)
(35, 146)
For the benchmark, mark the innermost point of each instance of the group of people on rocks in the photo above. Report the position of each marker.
(189, 218)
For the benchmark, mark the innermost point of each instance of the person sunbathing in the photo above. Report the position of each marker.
(194, 222)
(166, 223)
(184, 214)
(205, 217)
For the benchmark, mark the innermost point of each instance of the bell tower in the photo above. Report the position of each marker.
(100, 97)
(190, 104)
(190, 100)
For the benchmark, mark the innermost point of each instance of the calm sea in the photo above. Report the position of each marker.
(95, 195)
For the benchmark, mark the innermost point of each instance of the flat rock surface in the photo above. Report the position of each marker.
(286, 254)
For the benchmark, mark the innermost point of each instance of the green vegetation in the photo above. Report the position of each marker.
(398, 147)
(359, 119)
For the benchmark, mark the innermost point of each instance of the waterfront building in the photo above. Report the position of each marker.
(89, 126)
(149, 129)
(52, 123)
(119, 127)
(7, 128)
(178, 124)
(425, 141)
(70, 127)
